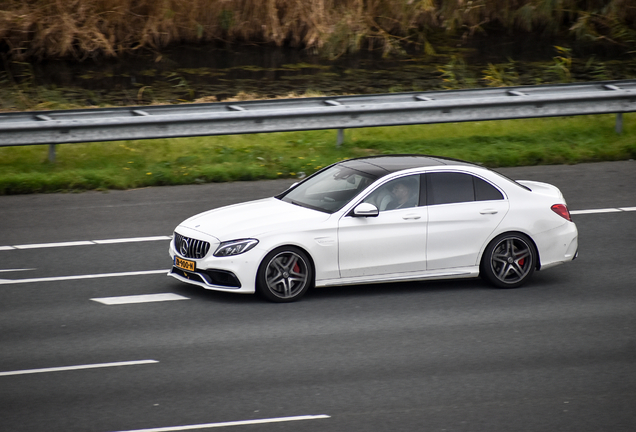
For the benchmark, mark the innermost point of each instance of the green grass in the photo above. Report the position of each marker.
(133, 164)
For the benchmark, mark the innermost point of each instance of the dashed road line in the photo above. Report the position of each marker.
(15, 270)
(145, 298)
(232, 423)
(78, 277)
(54, 245)
(85, 243)
(78, 367)
(603, 210)
(595, 211)
(132, 240)
(160, 238)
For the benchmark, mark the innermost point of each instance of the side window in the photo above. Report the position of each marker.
(484, 191)
(448, 188)
(403, 192)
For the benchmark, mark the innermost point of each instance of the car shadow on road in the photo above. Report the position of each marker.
(196, 292)
(396, 289)
(336, 292)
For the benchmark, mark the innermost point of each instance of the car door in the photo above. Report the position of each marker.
(463, 211)
(392, 242)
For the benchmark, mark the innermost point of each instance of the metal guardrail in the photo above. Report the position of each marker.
(284, 115)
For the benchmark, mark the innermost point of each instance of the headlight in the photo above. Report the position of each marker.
(235, 247)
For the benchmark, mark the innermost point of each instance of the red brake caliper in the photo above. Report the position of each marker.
(296, 268)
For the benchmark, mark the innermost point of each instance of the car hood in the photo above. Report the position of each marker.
(253, 219)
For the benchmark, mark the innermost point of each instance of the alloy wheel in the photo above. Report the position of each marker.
(512, 260)
(287, 274)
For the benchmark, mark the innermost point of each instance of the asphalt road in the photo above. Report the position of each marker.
(556, 355)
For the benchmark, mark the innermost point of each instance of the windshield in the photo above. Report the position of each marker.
(329, 190)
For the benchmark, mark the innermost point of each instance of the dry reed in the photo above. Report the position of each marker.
(88, 28)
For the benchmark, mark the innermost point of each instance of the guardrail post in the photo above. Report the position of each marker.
(52, 153)
(619, 123)
(340, 137)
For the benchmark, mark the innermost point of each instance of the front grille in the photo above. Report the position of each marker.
(190, 248)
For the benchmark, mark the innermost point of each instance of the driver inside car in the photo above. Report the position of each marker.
(404, 195)
(396, 194)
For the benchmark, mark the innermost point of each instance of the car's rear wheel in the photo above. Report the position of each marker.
(285, 275)
(509, 260)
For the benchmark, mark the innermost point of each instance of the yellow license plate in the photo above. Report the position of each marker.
(184, 264)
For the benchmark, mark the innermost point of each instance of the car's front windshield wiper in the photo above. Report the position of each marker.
(309, 206)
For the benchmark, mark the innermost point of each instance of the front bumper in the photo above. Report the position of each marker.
(229, 274)
(212, 278)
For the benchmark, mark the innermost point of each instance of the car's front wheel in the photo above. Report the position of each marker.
(509, 260)
(285, 275)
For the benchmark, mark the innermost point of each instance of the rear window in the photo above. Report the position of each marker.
(449, 188)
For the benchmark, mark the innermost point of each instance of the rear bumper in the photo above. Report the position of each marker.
(557, 246)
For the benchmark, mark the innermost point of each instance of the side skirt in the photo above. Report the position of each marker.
(455, 273)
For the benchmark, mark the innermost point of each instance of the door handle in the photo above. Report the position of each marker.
(489, 211)
(411, 216)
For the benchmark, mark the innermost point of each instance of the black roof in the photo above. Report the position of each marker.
(382, 165)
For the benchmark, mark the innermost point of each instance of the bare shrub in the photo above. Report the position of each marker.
(87, 28)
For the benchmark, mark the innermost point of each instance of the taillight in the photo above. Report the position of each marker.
(562, 210)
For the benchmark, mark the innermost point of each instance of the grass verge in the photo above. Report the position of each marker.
(134, 164)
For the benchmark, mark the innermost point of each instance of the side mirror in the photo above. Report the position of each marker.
(366, 210)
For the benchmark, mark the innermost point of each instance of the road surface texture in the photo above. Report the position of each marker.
(556, 355)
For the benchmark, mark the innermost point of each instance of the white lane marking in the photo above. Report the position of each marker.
(14, 270)
(158, 238)
(593, 211)
(146, 298)
(53, 245)
(78, 367)
(232, 423)
(85, 243)
(76, 277)
(132, 240)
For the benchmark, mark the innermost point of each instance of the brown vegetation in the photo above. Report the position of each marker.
(88, 28)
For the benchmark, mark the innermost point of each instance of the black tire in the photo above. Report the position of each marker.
(509, 260)
(285, 275)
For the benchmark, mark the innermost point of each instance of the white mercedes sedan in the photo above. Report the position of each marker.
(378, 219)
